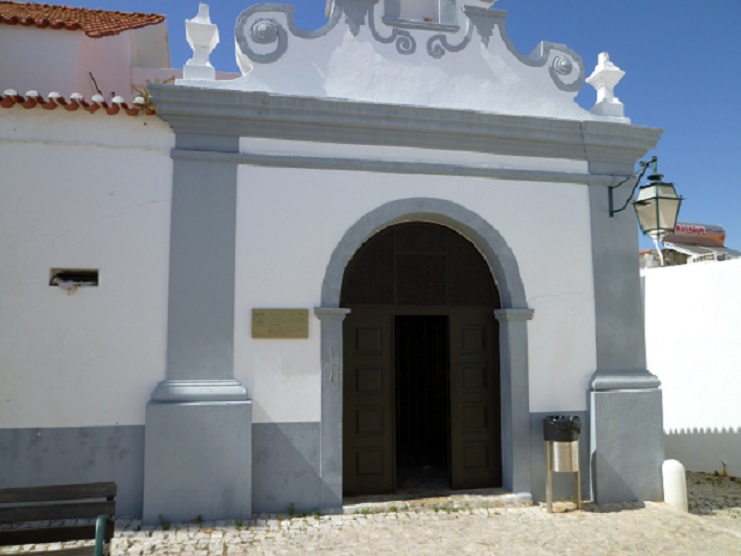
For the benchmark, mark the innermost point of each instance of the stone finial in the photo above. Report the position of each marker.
(202, 36)
(604, 78)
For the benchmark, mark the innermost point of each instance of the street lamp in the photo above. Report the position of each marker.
(657, 204)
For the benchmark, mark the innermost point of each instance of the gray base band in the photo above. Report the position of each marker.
(52, 456)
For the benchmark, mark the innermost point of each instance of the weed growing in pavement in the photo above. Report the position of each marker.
(164, 523)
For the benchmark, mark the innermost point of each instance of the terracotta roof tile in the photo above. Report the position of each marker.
(94, 23)
(32, 99)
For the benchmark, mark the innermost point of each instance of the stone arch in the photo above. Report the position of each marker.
(483, 235)
(513, 317)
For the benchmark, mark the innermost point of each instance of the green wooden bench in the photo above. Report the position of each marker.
(38, 515)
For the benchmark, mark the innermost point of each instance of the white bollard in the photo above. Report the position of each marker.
(675, 485)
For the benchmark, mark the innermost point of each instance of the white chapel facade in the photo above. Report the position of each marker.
(419, 211)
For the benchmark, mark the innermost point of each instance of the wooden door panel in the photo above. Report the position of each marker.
(370, 463)
(369, 421)
(474, 377)
(368, 436)
(475, 417)
(368, 339)
(473, 337)
(368, 382)
(474, 391)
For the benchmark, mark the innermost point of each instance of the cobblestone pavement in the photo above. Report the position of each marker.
(464, 524)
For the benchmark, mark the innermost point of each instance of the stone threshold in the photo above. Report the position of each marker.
(446, 501)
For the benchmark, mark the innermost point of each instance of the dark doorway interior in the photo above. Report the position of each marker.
(422, 401)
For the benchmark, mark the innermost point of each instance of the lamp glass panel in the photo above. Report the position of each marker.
(657, 206)
(668, 211)
(646, 213)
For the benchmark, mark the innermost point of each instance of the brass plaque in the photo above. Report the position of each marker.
(291, 324)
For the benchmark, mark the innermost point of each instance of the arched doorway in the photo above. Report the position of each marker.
(421, 391)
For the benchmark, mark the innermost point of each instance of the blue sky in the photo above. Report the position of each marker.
(683, 73)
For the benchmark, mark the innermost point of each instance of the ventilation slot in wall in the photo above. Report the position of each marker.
(70, 279)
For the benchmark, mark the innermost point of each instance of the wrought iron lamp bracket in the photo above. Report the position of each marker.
(638, 177)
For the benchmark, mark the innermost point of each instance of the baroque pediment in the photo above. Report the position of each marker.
(459, 58)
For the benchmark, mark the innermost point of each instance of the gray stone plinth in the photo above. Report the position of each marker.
(198, 460)
(627, 441)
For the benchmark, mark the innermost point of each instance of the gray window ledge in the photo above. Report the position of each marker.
(422, 25)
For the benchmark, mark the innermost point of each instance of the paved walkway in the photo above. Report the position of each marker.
(624, 529)
(461, 524)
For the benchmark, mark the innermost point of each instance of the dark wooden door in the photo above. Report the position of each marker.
(475, 435)
(368, 423)
(418, 269)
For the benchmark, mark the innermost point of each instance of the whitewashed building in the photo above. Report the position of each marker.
(429, 203)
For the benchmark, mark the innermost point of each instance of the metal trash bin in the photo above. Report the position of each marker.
(561, 435)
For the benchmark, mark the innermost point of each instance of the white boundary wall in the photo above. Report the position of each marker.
(693, 344)
(87, 191)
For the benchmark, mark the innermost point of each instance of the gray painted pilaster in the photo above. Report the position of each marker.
(515, 397)
(330, 459)
(618, 308)
(198, 438)
(625, 400)
(201, 293)
(200, 329)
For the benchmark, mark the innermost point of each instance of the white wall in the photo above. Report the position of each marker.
(59, 60)
(693, 325)
(290, 221)
(149, 46)
(109, 60)
(82, 190)
(93, 191)
(52, 54)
